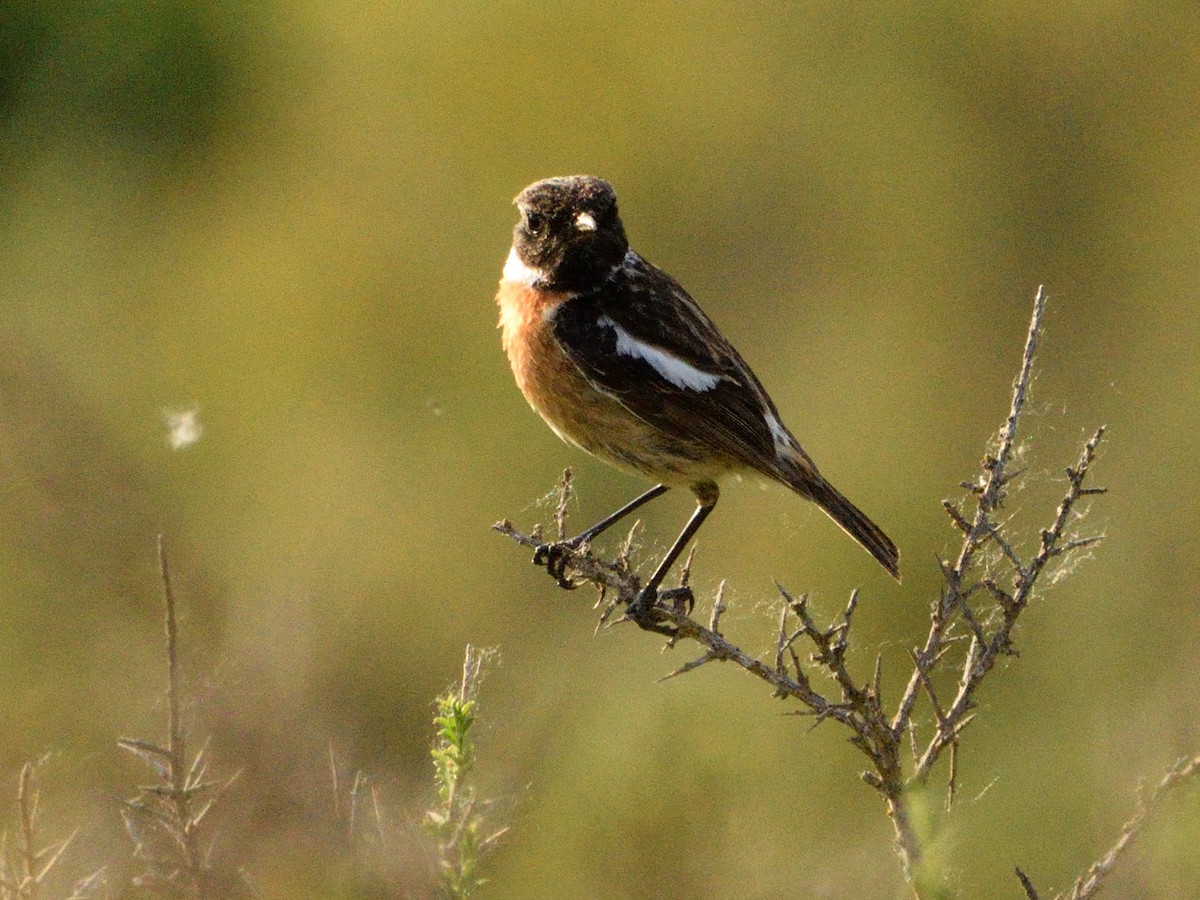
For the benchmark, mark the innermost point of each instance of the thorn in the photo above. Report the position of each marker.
(850, 607)
(952, 781)
(781, 642)
(686, 572)
(1030, 891)
(718, 608)
(688, 667)
(627, 548)
(872, 779)
(956, 517)
(800, 676)
(564, 497)
(876, 685)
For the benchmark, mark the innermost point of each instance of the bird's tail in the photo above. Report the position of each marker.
(806, 481)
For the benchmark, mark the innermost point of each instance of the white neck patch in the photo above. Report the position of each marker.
(672, 368)
(519, 273)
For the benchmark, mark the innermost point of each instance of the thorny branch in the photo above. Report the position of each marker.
(1089, 883)
(165, 818)
(970, 627)
(24, 867)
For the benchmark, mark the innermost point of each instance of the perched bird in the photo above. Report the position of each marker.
(621, 362)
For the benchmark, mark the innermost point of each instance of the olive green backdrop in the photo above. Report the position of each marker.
(291, 217)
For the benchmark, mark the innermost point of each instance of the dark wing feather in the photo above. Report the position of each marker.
(728, 418)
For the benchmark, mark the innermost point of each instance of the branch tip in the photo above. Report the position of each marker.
(1027, 885)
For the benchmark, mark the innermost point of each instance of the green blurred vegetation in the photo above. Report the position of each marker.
(292, 217)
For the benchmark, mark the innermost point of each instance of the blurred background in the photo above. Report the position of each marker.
(289, 220)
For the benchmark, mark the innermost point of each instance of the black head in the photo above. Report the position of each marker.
(570, 231)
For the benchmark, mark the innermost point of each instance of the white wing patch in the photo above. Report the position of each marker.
(783, 441)
(675, 370)
(519, 273)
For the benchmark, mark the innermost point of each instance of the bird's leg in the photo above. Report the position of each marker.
(647, 598)
(554, 555)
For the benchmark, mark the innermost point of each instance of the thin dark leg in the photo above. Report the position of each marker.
(649, 594)
(552, 556)
(608, 521)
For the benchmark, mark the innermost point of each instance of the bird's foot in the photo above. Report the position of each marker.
(682, 600)
(649, 605)
(554, 557)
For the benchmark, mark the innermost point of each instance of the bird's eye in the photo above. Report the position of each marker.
(535, 222)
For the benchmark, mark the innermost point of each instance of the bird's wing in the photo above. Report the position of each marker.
(642, 340)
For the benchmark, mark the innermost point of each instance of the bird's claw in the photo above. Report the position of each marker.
(644, 607)
(682, 600)
(554, 558)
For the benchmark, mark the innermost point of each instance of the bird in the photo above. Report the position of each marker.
(621, 362)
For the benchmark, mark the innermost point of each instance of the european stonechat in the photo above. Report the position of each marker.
(621, 362)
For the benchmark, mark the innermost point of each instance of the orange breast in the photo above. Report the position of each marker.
(548, 379)
(536, 359)
(578, 412)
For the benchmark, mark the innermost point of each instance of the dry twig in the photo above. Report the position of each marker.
(165, 817)
(1090, 882)
(25, 867)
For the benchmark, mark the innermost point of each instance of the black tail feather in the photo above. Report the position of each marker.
(851, 519)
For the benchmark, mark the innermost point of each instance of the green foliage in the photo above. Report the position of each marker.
(454, 755)
(457, 823)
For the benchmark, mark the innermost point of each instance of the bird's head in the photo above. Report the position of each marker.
(570, 236)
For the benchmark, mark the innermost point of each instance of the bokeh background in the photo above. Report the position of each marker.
(290, 217)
